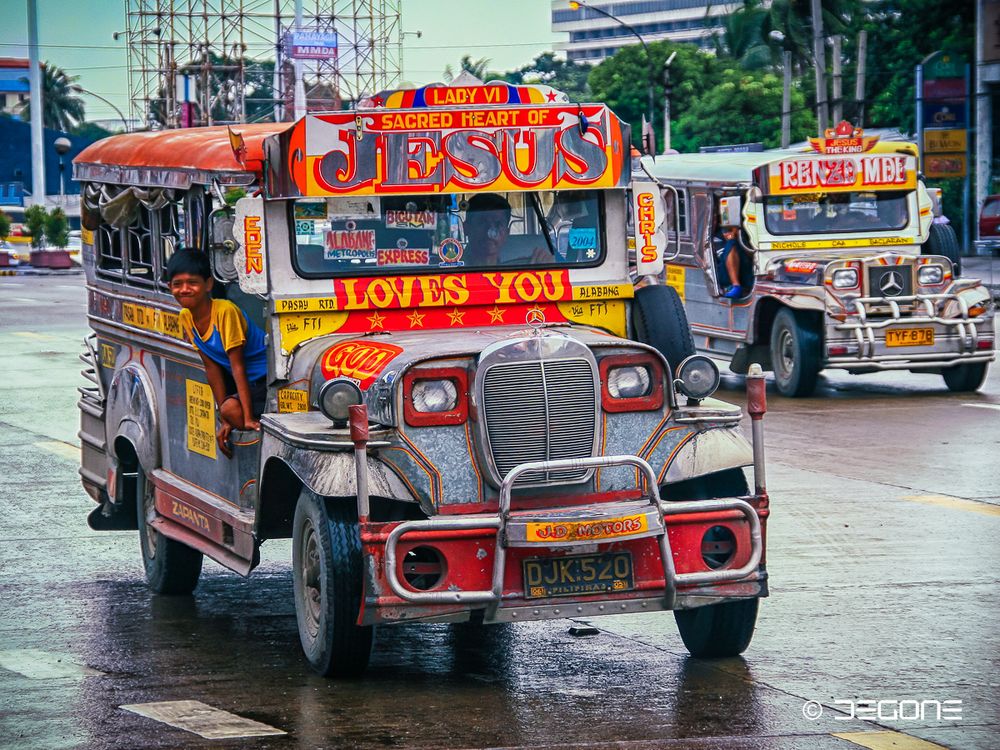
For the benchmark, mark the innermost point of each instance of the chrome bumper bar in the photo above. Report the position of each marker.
(864, 328)
(672, 579)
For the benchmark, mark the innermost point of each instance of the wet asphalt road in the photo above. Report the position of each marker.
(882, 552)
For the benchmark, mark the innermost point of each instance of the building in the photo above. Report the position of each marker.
(14, 88)
(593, 36)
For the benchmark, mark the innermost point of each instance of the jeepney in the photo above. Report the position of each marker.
(842, 263)
(443, 440)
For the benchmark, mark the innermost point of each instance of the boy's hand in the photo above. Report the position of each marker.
(222, 438)
(252, 424)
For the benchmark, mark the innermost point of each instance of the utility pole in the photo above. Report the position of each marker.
(37, 112)
(300, 87)
(786, 99)
(667, 90)
(838, 102)
(819, 61)
(859, 91)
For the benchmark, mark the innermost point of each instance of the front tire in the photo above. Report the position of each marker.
(965, 378)
(327, 576)
(718, 630)
(171, 568)
(942, 240)
(795, 353)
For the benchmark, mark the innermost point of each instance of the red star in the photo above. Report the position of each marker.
(377, 101)
(551, 96)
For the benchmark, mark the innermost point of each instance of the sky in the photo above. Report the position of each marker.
(76, 35)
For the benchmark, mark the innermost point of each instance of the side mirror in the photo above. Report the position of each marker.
(730, 213)
(222, 244)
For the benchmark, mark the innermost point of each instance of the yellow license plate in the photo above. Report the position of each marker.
(909, 337)
(578, 575)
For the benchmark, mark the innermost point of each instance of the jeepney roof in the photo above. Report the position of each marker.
(718, 168)
(178, 158)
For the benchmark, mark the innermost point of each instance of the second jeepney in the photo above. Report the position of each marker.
(472, 414)
(843, 263)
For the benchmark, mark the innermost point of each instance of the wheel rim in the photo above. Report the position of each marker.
(149, 515)
(786, 352)
(312, 586)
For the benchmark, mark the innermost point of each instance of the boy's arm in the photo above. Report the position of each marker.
(217, 382)
(242, 386)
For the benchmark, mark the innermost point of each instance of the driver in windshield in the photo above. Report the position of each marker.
(487, 227)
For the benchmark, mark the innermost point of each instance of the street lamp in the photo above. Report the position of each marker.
(650, 77)
(80, 89)
(62, 146)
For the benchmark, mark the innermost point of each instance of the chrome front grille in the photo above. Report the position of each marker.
(540, 410)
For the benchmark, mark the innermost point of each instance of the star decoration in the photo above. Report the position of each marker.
(591, 253)
(551, 96)
(456, 316)
(416, 319)
(377, 321)
(496, 314)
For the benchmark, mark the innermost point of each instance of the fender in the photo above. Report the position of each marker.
(327, 473)
(765, 307)
(707, 452)
(131, 412)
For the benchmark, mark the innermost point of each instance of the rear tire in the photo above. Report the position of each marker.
(327, 576)
(795, 353)
(718, 630)
(172, 568)
(943, 241)
(965, 378)
(659, 320)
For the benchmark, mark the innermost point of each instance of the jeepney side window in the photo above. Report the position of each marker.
(140, 247)
(110, 261)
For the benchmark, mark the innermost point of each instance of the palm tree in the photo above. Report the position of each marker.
(745, 36)
(792, 19)
(62, 109)
(478, 68)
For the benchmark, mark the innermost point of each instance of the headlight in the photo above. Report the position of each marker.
(335, 396)
(628, 382)
(845, 278)
(430, 396)
(697, 377)
(930, 275)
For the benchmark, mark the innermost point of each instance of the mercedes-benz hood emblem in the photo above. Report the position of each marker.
(891, 284)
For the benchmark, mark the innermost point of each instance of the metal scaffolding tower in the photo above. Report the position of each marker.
(202, 62)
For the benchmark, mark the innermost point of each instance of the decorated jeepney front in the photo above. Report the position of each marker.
(509, 410)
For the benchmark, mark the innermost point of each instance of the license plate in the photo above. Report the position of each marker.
(909, 337)
(578, 574)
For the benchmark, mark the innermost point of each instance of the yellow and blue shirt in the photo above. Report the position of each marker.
(230, 328)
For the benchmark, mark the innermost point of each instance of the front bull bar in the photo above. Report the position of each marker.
(498, 521)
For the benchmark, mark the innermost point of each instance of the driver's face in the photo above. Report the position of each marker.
(488, 230)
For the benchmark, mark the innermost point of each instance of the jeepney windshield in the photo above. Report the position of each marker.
(357, 234)
(825, 213)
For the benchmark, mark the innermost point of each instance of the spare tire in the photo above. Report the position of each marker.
(659, 320)
(944, 241)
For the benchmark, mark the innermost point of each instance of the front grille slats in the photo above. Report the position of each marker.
(537, 411)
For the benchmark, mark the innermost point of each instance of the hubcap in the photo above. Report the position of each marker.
(312, 588)
(786, 352)
(149, 515)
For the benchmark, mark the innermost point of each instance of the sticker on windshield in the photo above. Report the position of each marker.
(583, 239)
(310, 210)
(349, 244)
(410, 220)
(404, 256)
(450, 251)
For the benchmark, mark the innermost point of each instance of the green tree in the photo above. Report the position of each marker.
(745, 106)
(479, 68)
(62, 109)
(56, 228)
(564, 75)
(621, 81)
(34, 224)
(745, 37)
(4, 225)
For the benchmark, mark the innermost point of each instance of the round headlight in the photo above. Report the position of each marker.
(335, 396)
(628, 382)
(930, 275)
(697, 377)
(845, 278)
(434, 395)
